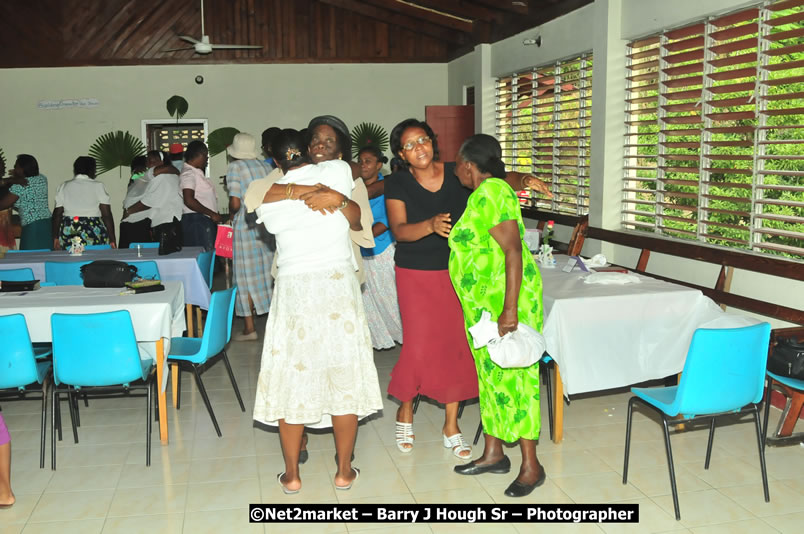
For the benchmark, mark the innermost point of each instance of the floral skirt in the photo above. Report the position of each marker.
(91, 230)
(317, 359)
(379, 298)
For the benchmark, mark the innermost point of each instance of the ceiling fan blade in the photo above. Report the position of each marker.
(177, 49)
(189, 39)
(235, 47)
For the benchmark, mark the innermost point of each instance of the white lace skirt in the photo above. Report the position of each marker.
(317, 359)
(380, 301)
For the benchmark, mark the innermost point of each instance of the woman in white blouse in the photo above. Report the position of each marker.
(82, 209)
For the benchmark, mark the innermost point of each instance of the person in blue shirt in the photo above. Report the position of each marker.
(379, 291)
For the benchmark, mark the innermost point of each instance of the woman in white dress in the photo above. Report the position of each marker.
(317, 365)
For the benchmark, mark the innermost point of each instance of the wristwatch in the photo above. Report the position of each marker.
(344, 203)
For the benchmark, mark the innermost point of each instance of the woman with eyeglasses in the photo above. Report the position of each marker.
(422, 203)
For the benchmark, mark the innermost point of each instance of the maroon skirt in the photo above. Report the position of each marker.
(435, 360)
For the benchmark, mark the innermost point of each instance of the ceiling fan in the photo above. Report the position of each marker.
(203, 46)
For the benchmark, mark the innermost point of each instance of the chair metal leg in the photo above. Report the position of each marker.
(416, 403)
(709, 445)
(43, 425)
(670, 467)
(232, 378)
(56, 411)
(177, 370)
(74, 399)
(767, 412)
(73, 416)
(204, 396)
(460, 408)
(547, 382)
(150, 401)
(760, 445)
(54, 399)
(479, 431)
(628, 438)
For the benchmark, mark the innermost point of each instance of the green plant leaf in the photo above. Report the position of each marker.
(177, 105)
(115, 149)
(368, 133)
(219, 139)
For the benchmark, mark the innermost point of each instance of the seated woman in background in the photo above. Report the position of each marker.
(317, 365)
(7, 240)
(82, 209)
(492, 270)
(379, 292)
(27, 192)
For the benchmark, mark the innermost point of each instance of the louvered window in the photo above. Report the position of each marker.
(544, 120)
(714, 131)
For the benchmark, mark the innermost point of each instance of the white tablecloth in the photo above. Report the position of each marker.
(609, 336)
(181, 266)
(155, 316)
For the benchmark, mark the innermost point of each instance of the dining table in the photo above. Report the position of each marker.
(610, 335)
(181, 266)
(156, 317)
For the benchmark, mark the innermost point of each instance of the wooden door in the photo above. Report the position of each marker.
(452, 125)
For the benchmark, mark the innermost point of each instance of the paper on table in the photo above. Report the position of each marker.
(611, 278)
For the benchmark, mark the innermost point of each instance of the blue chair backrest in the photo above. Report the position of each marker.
(14, 251)
(95, 349)
(206, 262)
(144, 245)
(97, 247)
(17, 275)
(146, 269)
(64, 273)
(17, 360)
(218, 326)
(724, 370)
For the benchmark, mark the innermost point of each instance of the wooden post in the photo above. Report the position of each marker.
(161, 397)
(558, 406)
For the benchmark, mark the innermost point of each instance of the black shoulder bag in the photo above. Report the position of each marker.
(787, 359)
(107, 273)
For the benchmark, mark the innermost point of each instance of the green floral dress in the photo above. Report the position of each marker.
(509, 398)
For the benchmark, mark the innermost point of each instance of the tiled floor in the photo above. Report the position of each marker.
(202, 483)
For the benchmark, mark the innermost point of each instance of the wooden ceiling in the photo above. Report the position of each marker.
(51, 33)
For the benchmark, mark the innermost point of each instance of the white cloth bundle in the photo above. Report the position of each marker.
(611, 278)
(521, 348)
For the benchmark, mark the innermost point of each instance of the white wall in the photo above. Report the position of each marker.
(605, 27)
(248, 97)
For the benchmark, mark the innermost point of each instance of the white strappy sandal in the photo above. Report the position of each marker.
(458, 446)
(404, 436)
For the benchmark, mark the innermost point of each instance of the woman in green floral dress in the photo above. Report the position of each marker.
(492, 270)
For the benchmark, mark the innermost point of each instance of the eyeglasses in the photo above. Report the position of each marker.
(411, 144)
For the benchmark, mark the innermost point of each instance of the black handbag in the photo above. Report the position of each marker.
(107, 273)
(170, 238)
(787, 359)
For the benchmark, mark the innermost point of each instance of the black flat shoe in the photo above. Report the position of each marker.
(303, 456)
(517, 489)
(501, 467)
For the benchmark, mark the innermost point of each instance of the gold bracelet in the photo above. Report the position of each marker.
(289, 192)
(344, 204)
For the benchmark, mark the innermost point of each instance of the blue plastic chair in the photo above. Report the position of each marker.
(21, 369)
(17, 275)
(192, 353)
(206, 262)
(110, 363)
(794, 384)
(543, 363)
(15, 251)
(98, 247)
(724, 372)
(64, 273)
(144, 245)
(146, 269)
